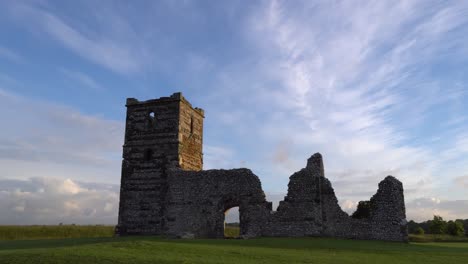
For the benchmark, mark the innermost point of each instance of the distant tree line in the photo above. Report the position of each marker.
(438, 225)
(235, 224)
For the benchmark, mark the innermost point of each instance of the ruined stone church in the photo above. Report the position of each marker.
(165, 191)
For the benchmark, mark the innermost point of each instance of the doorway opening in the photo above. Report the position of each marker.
(231, 223)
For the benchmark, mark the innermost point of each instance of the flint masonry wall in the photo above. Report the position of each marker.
(197, 202)
(160, 134)
(164, 190)
(311, 209)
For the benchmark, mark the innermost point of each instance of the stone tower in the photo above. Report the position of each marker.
(160, 134)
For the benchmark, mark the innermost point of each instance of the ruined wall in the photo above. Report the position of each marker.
(300, 213)
(198, 201)
(311, 209)
(388, 213)
(165, 191)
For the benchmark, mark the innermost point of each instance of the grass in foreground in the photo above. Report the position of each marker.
(262, 250)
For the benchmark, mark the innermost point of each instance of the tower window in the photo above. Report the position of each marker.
(148, 155)
(151, 120)
(191, 125)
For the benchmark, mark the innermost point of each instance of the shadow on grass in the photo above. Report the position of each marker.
(54, 243)
(283, 243)
(327, 243)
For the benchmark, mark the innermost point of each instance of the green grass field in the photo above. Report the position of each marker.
(437, 238)
(231, 232)
(262, 250)
(57, 231)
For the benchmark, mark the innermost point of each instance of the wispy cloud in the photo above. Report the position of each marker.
(82, 78)
(98, 47)
(10, 55)
(6, 81)
(377, 88)
(218, 157)
(62, 136)
(357, 88)
(353, 89)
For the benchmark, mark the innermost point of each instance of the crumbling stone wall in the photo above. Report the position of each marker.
(197, 202)
(165, 191)
(311, 209)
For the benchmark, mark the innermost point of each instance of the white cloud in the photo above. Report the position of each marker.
(422, 209)
(232, 215)
(63, 201)
(349, 206)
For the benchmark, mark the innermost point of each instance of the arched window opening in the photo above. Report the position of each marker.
(231, 223)
(151, 120)
(148, 154)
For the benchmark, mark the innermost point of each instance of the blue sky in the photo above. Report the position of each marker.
(378, 87)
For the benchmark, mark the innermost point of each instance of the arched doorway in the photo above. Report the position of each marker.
(232, 223)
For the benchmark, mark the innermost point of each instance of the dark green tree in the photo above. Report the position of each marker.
(412, 227)
(363, 210)
(465, 225)
(438, 225)
(419, 231)
(455, 228)
(425, 225)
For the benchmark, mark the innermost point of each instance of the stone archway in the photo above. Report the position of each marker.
(232, 222)
(204, 196)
